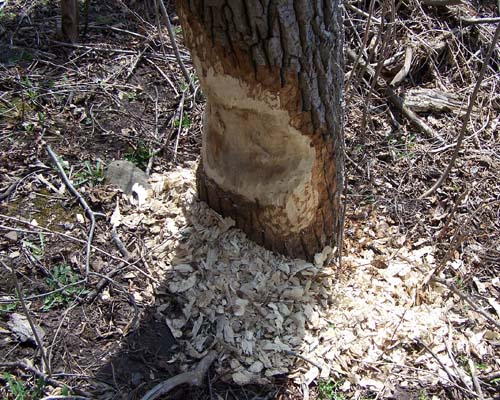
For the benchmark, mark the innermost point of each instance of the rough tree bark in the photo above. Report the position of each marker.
(70, 19)
(272, 152)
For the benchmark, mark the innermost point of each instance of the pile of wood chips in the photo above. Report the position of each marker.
(380, 322)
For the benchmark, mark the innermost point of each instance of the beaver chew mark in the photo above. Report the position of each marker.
(250, 148)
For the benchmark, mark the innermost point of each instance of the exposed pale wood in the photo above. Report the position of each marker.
(432, 100)
(272, 153)
(403, 72)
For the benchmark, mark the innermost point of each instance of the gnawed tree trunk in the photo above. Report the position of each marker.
(70, 19)
(272, 153)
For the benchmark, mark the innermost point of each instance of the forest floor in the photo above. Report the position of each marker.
(425, 273)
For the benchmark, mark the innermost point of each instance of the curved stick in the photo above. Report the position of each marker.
(193, 378)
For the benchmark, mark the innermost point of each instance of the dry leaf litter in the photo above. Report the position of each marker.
(269, 315)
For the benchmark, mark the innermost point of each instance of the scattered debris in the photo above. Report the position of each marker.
(268, 314)
(19, 326)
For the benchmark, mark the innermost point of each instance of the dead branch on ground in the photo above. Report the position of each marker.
(28, 317)
(397, 101)
(44, 377)
(194, 378)
(468, 300)
(174, 45)
(465, 120)
(91, 214)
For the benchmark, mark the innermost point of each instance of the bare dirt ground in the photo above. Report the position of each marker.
(120, 94)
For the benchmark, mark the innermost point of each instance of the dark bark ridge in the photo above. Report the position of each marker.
(293, 50)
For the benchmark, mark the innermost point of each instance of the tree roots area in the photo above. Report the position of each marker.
(116, 292)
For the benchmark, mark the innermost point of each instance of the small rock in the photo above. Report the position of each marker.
(12, 236)
(20, 327)
(125, 175)
(68, 226)
(136, 378)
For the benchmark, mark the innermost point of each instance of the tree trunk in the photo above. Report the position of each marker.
(70, 19)
(272, 152)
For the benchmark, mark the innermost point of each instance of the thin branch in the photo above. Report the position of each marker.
(446, 369)
(397, 101)
(44, 377)
(441, 3)
(175, 47)
(7, 192)
(38, 228)
(491, 376)
(65, 397)
(99, 250)
(134, 64)
(468, 300)
(476, 21)
(30, 321)
(475, 381)
(102, 283)
(386, 37)
(179, 130)
(82, 201)
(465, 121)
(194, 378)
(94, 48)
(151, 158)
(119, 244)
(294, 354)
(365, 39)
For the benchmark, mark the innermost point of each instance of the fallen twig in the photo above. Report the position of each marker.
(84, 204)
(51, 232)
(491, 376)
(451, 377)
(151, 158)
(357, 59)
(7, 192)
(369, 16)
(30, 321)
(175, 47)
(11, 188)
(134, 64)
(164, 75)
(405, 70)
(44, 377)
(441, 3)
(294, 354)
(465, 121)
(93, 48)
(384, 36)
(397, 101)
(467, 299)
(194, 378)
(99, 250)
(119, 244)
(476, 21)
(102, 283)
(65, 397)
(179, 130)
(475, 381)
